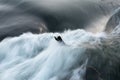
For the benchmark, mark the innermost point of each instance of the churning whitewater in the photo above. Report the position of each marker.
(41, 57)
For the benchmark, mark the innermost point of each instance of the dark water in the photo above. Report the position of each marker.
(19, 16)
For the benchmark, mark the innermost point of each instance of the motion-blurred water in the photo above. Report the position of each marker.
(28, 56)
(20, 16)
(41, 57)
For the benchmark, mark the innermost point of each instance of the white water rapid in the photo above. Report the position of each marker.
(41, 57)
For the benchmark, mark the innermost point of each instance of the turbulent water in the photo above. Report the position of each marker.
(81, 55)
(41, 57)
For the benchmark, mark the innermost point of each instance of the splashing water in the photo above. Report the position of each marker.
(41, 57)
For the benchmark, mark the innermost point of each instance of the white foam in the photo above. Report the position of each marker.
(41, 57)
